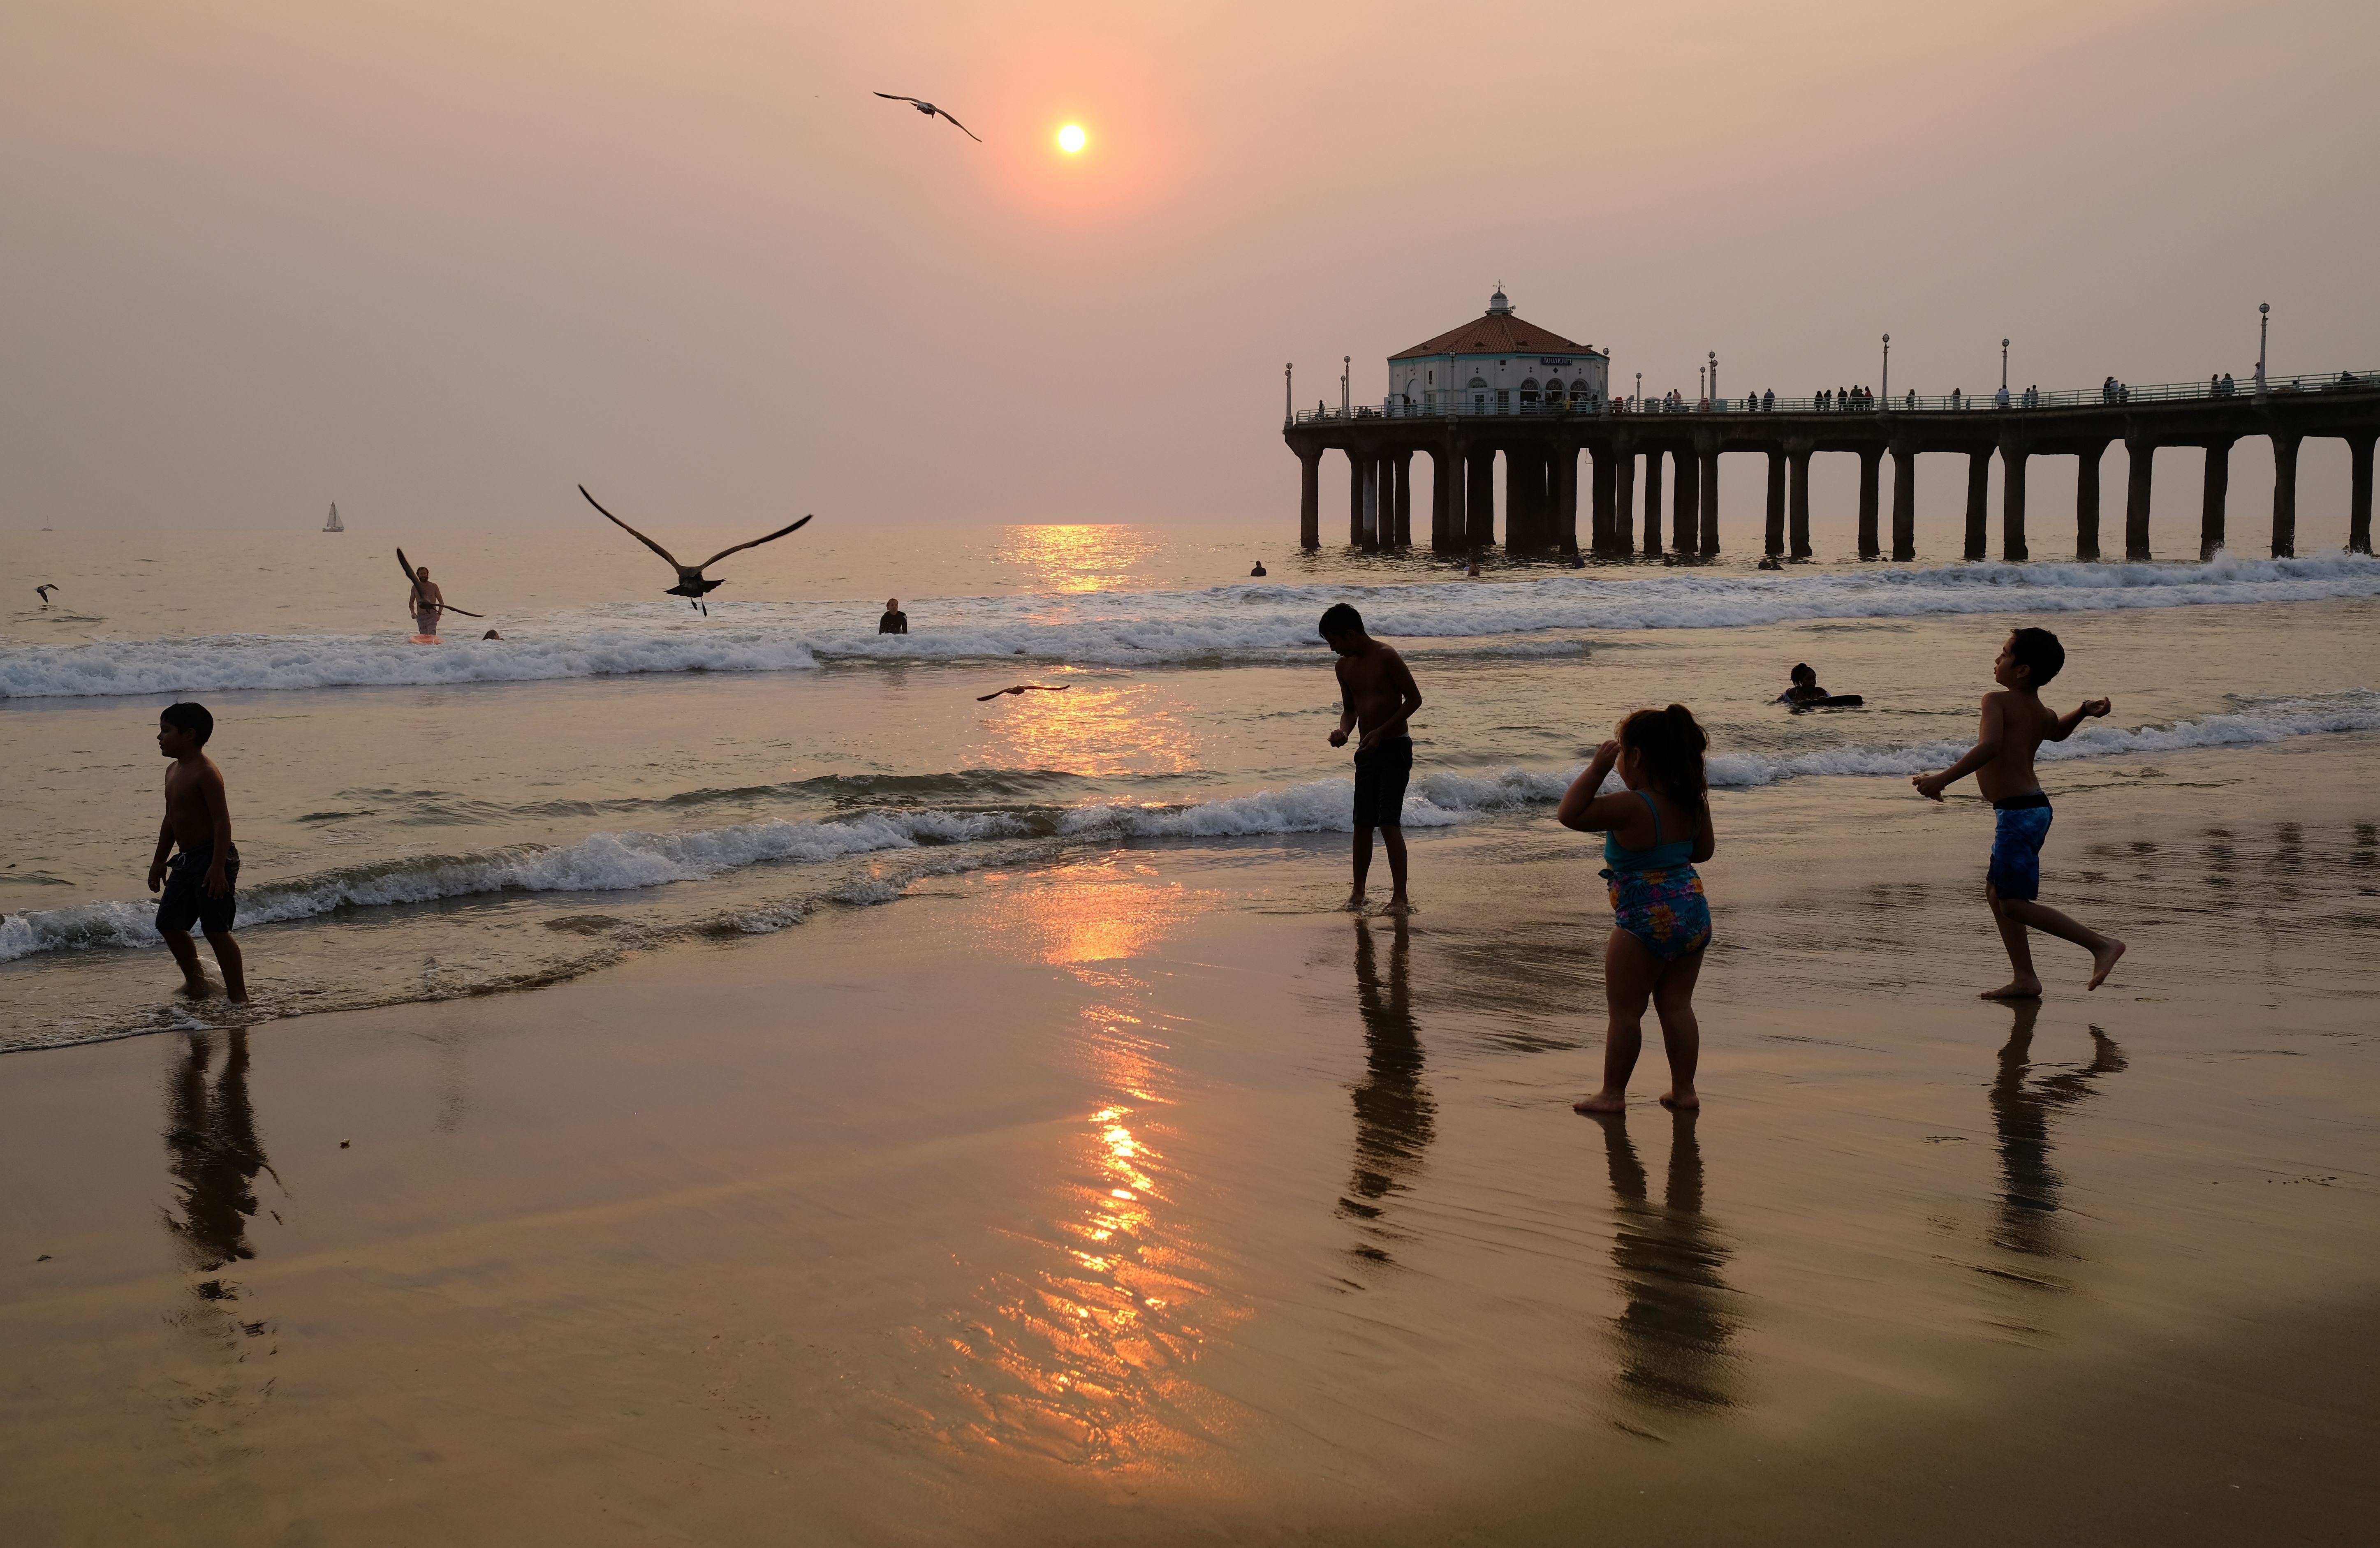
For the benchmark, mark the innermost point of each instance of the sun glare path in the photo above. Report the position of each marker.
(1070, 138)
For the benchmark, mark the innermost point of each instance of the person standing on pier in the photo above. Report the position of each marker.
(1378, 698)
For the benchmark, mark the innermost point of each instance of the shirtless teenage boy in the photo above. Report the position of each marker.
(1377, 695)
(2015, 724)
(198, 888)
(426, 602)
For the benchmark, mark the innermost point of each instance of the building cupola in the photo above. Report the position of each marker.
(1497, 305)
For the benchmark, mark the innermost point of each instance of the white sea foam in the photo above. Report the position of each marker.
(1540, 615)
(2267, 720)
(600, 863)
(1439, 798)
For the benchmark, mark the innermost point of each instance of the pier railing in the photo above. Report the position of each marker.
(1473, 404)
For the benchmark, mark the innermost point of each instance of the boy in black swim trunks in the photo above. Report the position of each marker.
(199, 882)
(2015, 724)
(1377, 695)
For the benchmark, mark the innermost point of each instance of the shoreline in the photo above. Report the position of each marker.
(1372, 1280)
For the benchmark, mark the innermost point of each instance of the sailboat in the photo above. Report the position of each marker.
(335, 524)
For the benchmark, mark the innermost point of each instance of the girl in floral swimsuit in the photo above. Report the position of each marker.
(1654, 833)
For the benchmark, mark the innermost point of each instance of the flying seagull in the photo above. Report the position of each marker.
(45, 591)
(930, 111)
(1021, 687)
(690, 582)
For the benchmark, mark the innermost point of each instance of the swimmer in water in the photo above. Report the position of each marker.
(425, 603)
(1805, 689)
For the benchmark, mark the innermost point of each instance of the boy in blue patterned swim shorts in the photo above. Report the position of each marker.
(2015, 724)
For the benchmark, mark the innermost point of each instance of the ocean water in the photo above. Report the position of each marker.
(622, 774)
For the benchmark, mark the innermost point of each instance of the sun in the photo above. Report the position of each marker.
(1070, 138)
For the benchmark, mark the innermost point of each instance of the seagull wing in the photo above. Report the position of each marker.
(891, 98)
(632, 532)
(741, 547)
(963, 129)
(987, 699)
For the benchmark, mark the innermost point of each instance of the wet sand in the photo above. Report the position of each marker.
(1149, 1201)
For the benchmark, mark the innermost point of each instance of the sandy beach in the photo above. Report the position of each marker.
(1150, 1201)
(745, 585)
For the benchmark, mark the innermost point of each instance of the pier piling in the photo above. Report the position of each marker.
(1870, 457)
(2358, 492)
(2217, 495)
(2142, 449)
(1904, 501)
(2013, 461)
(1772, 534)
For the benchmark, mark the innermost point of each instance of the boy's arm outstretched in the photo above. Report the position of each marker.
(1988, 735)
(2089, 709)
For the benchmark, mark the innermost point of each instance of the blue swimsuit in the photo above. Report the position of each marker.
(1656, 895)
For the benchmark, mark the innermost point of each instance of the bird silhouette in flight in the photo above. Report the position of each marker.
(1022, 687)
(45, 591)
(930, 111)
(691, 583)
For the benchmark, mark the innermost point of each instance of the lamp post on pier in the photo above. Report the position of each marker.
(2004, 365)
(2264, 320)
(1714, 378)
(1346, 367)
(1640, 391)
(1887, 394)
(1288, 398)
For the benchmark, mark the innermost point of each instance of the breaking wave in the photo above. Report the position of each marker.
(601, 863)
(1439, 798)
(1539, 615)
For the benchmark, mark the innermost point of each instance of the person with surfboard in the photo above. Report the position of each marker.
(425, 602)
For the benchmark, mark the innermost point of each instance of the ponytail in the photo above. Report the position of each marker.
(1673, 746)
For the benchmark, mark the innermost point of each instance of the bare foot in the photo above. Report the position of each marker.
(1354, 904)
(1398, 909)
(1687, 1102)
(2103, 961)
(2015, 988)
(196, 988)
(1601, 1102)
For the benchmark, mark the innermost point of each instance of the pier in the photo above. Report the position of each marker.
(1630, 445)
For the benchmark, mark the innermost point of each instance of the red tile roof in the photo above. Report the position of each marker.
(1496, 334)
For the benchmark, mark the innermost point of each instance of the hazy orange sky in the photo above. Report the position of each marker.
(440, 261)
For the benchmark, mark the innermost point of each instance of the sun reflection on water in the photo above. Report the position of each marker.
(1082, 1351)
(1098, 728)
(1078, 558)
